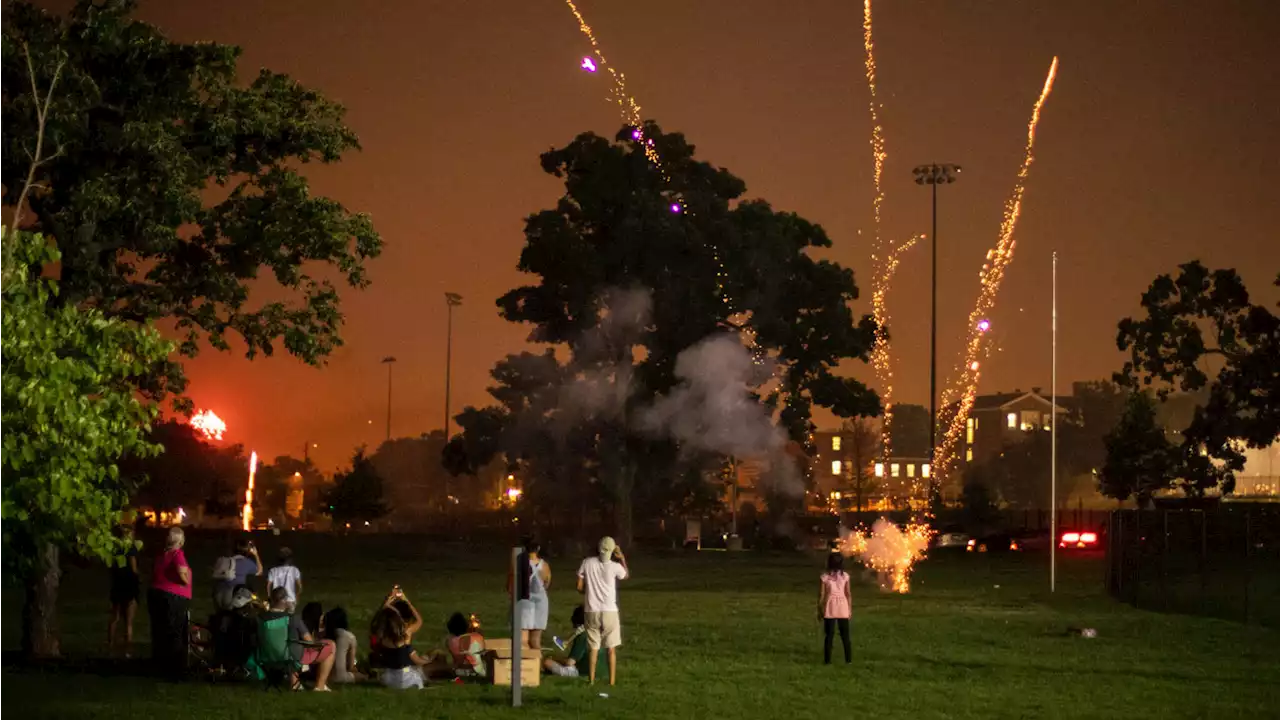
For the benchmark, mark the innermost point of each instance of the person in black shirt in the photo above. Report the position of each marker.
(125, 589)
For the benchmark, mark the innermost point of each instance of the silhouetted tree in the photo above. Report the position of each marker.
(1140, 460)
(356, 494)
(862, 440)
(1205, 316)
(188, 472)
(715, 264)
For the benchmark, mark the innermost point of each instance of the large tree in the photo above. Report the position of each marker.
(1140, 460)
(862, 443)
(188, 472)
(710, 262)
(169, 183)
(356, 494)
(1202, 335)
(70, 411)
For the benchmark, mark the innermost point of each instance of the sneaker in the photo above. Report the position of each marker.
(322, 689)
(559, 643)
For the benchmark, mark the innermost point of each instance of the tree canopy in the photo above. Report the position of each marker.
(69, 412)
(356, 494)
(636, 265)
(1140, 460)
(188, 472)
(169, 184)
(1201, 319)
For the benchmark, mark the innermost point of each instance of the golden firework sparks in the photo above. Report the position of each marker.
(990, 277)
(888, 551)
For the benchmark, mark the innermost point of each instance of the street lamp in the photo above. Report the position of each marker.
(934, 174)
(451, 300)
(388, 361)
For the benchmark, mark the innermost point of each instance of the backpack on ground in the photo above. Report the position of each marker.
(224, 568)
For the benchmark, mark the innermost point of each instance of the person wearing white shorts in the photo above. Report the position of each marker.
(598, 581)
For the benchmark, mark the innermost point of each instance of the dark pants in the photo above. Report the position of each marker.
(829, 626)
(168, 613)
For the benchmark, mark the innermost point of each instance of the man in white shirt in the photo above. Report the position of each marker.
(597, 581)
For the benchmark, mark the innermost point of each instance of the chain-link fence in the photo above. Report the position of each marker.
(1220, 562)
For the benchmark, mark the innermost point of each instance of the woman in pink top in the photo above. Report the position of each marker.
(835, 603)
(168, 603)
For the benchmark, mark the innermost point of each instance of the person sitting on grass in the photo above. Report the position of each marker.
(400, 664)
(466, 648)
(577, 651)
(302, 643)
(337, 629)
(397, 601)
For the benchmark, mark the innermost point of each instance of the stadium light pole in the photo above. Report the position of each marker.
(388, 361)
(933, 175)
(451, 301)
(1053, 435)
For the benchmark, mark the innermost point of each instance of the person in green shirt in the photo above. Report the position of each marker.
(574, 662)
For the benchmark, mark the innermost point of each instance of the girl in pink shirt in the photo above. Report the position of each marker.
(835, 602)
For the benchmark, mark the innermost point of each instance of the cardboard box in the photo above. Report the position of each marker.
(530, 670)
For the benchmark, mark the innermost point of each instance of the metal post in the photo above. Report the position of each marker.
(388, 361)
(1053, 439)
(515, 626)
(933, 342)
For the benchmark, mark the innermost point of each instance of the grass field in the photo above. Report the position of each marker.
(718, 635)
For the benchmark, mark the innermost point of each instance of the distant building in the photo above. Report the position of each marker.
(1005, 418)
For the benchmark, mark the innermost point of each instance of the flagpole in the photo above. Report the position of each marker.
(1053, 439)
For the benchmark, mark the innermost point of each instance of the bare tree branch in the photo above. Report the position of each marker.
(42, 116)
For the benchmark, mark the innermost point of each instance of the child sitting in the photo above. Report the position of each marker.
(574, 663)
(466, 647)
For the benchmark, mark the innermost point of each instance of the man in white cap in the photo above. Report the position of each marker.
(597, 581)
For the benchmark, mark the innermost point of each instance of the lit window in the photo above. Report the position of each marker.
(879, 469)
(968, 434)
(1030, 419)
(835, 467)
(975, 423)
(911, 470)
(969, 423)
(835, 443)
(1013, 419)
(894, 469)
(924, 470)
(968, 455)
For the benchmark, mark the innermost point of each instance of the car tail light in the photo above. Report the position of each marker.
(1071, 537)
(1088, 537)
(969, 546)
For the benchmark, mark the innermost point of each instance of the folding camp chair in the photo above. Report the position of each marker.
(273, 657)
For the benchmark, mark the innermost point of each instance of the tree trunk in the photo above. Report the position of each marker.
(40, 607)
(626, 482)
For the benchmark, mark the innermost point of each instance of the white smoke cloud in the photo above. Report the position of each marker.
(712, 410)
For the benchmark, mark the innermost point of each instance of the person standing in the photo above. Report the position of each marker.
(534, 615)
(232, 571)
(286, 575)
(168, 604)
(835, 604)
(126, 586)
(598, 582)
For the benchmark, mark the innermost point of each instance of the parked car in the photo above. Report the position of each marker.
(951, 537)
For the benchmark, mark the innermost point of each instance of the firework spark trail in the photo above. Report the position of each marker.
(627, 105)
(883, 262)
(992, 273)
(880, 358)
